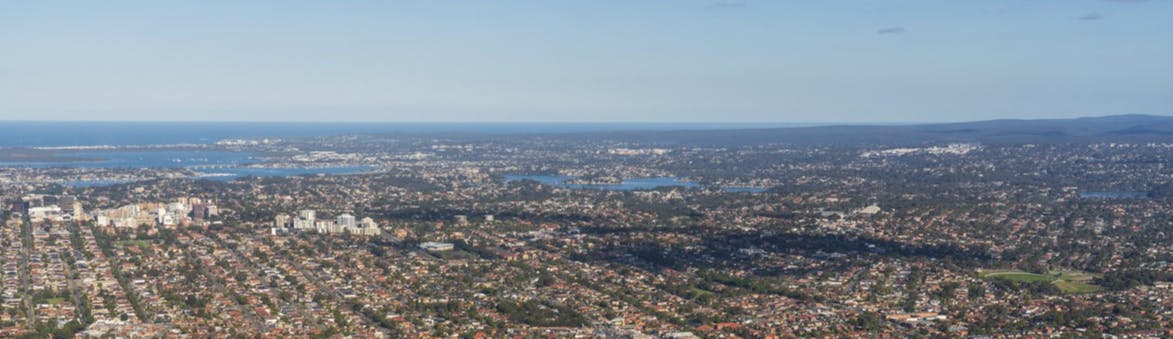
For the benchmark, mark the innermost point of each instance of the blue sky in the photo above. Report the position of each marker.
(614, 61)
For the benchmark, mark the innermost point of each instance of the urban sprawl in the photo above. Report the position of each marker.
(468, 237)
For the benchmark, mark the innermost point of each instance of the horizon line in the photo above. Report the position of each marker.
(580, 122)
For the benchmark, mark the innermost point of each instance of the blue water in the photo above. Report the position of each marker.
(53, 134)
(229, 174)
(225, 165)
(144, 159)
(282, 172)
(1113, 195)
(79, 133)
(626, 185)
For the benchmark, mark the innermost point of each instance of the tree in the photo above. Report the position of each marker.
(977, 291)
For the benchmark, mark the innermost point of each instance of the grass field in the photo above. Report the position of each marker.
(1020, 276)
(698, 291)
(55, 301)
(1067, 281)
(139, 243)
(1076, 276)
(1075, 286)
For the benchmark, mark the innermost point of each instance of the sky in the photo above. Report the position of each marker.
(585, 61)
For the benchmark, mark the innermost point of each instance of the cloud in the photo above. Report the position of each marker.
(1091, 17)
(726, 4)
(891, 30)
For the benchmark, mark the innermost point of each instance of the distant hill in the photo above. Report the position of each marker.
(1116, 128)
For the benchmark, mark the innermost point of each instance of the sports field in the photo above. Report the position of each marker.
(1067, 281)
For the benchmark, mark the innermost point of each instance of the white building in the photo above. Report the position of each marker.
(346, 221)
(306, 214)
(432, 246)
(869, 210)
(281, 221)
(46, 213)
(305, 219)
(368, 226)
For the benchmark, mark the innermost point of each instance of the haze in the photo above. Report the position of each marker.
(573, 61)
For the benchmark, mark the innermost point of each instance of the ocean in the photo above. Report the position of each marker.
(116, 133)
(228, 165)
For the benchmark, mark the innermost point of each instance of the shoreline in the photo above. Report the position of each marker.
(20, 156)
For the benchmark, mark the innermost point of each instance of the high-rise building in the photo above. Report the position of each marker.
(79, 213)
(300, 223)
(346, 220)
(281, 221)
(199, 211)
(326, 226)
(306, 214)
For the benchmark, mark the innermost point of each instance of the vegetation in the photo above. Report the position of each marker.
(541, 313)
(1065, 282)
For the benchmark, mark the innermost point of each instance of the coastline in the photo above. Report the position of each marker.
(20, 156)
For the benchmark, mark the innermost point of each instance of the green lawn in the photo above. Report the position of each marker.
(1020, 276)
(1075, 286)
(698, 291)
(1067, 281)
(54, 301)
(1077, 276)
